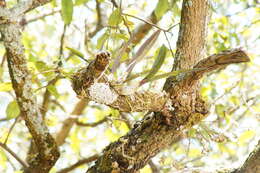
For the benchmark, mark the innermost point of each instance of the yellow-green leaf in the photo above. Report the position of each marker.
(12, 110)
(7, 86)
(160, 57)
(112, 136)
(52, 89)
(3, 159)
(76, 52)
(172, 73)
(44, 69)
(67, 11)
(246, 136)
(220, 110)
(194, 152)
(161, 8)
(115, 18)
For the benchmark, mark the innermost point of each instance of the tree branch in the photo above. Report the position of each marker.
(92, 124)
(79, 163)
(36, 3)
(69, 122)
(99, 24)
(4, 146)
(252, 163)
(41, 17)
(21, 80)
(85, 84)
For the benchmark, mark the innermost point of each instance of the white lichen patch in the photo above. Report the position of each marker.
(169, 106)
(102, 93)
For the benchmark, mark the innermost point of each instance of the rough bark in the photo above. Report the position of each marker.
(252, 163)
(47, 149)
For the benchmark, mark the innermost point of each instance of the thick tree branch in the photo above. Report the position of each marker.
(85, 84)
(252, 163)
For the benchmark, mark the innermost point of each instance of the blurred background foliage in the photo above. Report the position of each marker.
(63, 36)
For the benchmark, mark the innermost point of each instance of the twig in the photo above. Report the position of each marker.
(92, 124)
(4, 146)
(42, 16)
(124, 20)
(79, 163)
(243, 10)
(226, 92)
(10, 130)
(138, 18)
(170, 28)
(61, 45)
(3, 60)
(114, 3)
(4, 119)
(99, 24)
(169, 44)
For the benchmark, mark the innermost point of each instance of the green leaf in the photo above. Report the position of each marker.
(161, 8)
(79, 2)
(45, 70)
(246, 136)
(76, 52)
(52, 89)
(220, 110)
(7, 86)
(12, 110)
(67, 11)
(160, 57)
(173, 73)
(119, 36)
(133, 76)
(54, 3)
(115, 18)
(140, 54)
